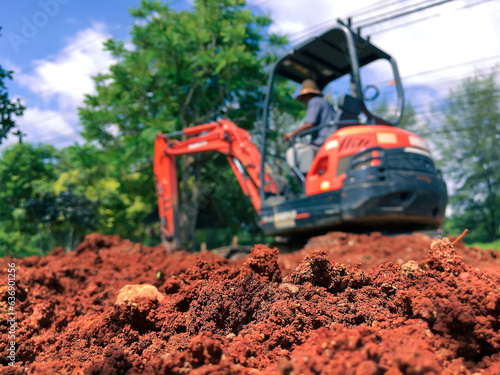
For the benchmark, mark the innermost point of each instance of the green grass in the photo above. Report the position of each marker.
(490, 245)
(221, 237)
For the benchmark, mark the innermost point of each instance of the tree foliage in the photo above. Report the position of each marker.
(66, 216)
(35, 215)
(409, 119)
(88, 171)
(469, 142)
(8, 107)
(181, 69)
(25, 171)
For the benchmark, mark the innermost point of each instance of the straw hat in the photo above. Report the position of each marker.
(308, 87)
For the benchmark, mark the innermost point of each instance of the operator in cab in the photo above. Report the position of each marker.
(318, 112)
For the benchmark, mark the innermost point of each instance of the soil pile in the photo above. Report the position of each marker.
(345, 304)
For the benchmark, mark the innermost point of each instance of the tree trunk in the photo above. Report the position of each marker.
(40, 238)
(183, 209)
(195, 202)
(189, 196)
(491, 204)
(69, 239)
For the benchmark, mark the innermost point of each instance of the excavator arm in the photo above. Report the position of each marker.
(221, 136)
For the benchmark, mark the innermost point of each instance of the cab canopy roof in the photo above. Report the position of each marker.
(324, 58)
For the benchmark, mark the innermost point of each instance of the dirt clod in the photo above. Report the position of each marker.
(410, 268)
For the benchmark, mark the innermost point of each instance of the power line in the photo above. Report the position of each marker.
(49, 117)
(413, 92)
(426, 18)
(312, 30)
(50, 133)
(58, 137)
(330, 22)
(372, 8)
(403, 14)
(451, 66)
(438, 84)
(448, 67)
(411, 6)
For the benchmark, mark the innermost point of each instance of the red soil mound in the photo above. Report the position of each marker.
(409, 307)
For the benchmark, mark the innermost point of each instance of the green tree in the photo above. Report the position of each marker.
(183, 68)
(87, 171)
(469, 145)
(8, 107)
(39, 211)
(409, 119)
(66, 216)
(25, 171)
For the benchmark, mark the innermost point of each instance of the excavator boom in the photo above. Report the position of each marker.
(220, 136)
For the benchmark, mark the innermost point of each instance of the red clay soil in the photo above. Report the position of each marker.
(345, 304)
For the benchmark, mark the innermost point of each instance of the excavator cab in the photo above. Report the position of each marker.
(368, 175)
(364, 80)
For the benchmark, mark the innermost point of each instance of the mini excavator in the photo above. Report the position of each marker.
(368, 175)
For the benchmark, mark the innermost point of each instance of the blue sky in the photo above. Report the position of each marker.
(55, 46)
(36, 34)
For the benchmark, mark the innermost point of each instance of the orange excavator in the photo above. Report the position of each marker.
(368, 175)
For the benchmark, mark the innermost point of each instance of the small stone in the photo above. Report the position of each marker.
(290, 287)
(130, 293)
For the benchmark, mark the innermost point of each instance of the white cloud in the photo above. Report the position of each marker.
(61, 82)
(46, 126)
(67, 77)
